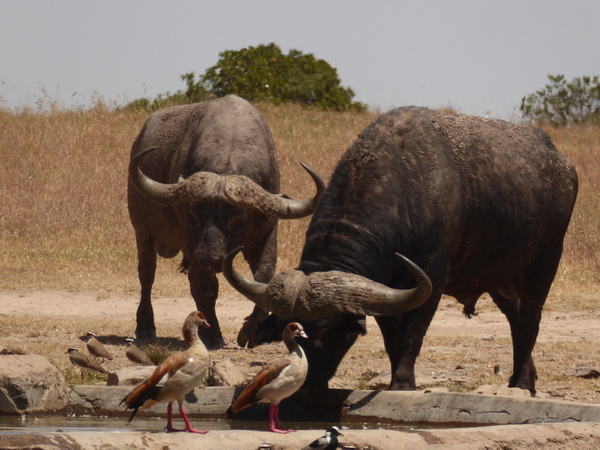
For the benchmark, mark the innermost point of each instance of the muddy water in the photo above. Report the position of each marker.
(18, 424)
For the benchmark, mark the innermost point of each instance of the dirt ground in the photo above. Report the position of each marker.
(459, 354)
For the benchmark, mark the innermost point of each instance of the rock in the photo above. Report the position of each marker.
(379, 382)
(223, 372)
(30, 383)
(584, 372)
(353, 406)
(554, 436)
(129, 376)
(495, 389)
(435, 389)
(424, 377)
(94, 399)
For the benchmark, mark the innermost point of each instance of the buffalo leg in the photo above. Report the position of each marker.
(262, 259)
(145, 328)
(533, 287)
(205, 289)
(403, 337)
(527, 374)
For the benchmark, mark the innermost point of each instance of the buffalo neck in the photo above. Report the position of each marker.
(342, 245)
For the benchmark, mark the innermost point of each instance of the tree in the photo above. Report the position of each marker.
(563, 103)
(265, 73)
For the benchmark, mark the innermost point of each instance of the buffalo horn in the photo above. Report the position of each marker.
(294, 295)
(236, 190)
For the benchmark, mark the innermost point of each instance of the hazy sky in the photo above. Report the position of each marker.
(479, 56)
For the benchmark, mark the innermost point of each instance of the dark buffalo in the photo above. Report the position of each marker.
(479, 205)
(203, 179)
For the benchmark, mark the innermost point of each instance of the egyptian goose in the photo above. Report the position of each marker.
(83, 362)
(277, 380)
(175, 377)
(137, 355)
(327, 442)
(96, 348)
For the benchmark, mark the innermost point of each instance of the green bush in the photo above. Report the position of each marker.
(563, 103)
(265, 73)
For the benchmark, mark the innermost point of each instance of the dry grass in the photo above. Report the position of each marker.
(64, 215)
(580, 267)
(63, 184)
(64, 221)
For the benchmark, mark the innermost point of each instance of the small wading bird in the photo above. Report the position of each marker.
(96, 348)
(83, 362)
(175, 377)
(137, 355)
(327, 442)
(277, 380)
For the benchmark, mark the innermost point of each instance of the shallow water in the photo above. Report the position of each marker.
(17, 424)
(46, 424)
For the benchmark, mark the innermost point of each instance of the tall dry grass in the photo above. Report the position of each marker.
(63, 215)
(579, 272)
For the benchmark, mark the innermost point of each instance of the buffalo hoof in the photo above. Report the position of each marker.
(214, 343)
(525, 384)
(403, 385)
(527, 379)
(145, 335)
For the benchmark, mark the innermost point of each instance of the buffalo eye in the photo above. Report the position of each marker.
(232, 217)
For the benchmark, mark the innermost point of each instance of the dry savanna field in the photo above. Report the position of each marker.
(68, 258)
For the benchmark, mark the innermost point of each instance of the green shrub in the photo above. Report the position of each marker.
(563, 103)
(265, 73)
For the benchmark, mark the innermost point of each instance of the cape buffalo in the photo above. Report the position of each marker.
(479, 205)
(203, 179)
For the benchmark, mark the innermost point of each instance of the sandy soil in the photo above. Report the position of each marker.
(459, 354)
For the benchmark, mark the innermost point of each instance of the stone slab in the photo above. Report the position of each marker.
(129, 376)
(547, 436)
(467, 409)
(30, 383)
(340, 405)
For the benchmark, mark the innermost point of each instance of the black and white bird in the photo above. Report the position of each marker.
(327, 442)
